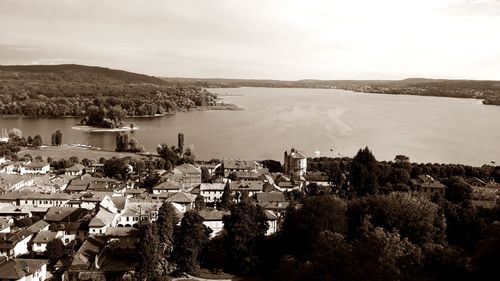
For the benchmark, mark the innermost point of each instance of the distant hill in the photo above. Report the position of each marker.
(488, 91)
(80, 73)
(91, 91)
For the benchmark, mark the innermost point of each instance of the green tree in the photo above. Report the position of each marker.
(415, 217)
(364, 173)
(58, 137)
(122, 142)
(55, 250)
(245, 228)
(199, 202)
(205, 176)
(116, 168)
(457, 190)
(166, 222)
(302, 226)
(167, 154)
(227, 199)
(149, 255)
(180, 143)
(37, 141)
(191, 237)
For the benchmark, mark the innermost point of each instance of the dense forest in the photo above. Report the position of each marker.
(92, 92)
(488, 91)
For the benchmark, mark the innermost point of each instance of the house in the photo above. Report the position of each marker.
(427, 186)
(136, 213)
(42, 239)
(58, 214)
(94, 168)
(35, 168)
(23, 269)
(170, 185)
(45, 200)
(86, 259)
(12, 198)
(273, 201)
(71, 231)
(252, 175)
(212, 168)
(5, 225)
(15, 244)
(15, 212)
(241, 188)
(38, 226)
(189, 174)
(231, 166)
(213, 220)
(295, 163)
(75, 170)
(100, 223)
(272, 222)
(212, 192)
(14, 182)
(184, 200)
(318, 178)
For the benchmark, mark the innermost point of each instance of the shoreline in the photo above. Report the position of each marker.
(93, 129)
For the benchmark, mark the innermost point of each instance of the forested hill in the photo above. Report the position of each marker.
(489, 91)
(76, 73)
(71, 90)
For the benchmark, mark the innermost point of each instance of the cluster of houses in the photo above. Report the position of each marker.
(103, 215)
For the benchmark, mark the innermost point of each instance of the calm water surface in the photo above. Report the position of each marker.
(427, 129)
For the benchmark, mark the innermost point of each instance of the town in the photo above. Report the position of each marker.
(65, 219)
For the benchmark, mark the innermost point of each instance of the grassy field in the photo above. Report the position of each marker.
(66, 151)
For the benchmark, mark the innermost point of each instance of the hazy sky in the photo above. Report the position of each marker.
(331, 39)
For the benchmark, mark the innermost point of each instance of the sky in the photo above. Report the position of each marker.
(271, 39)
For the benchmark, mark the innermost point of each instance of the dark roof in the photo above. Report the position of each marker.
(239, 164)
(119, 201)
(188, 169)
(85, 256)
(75, 168)
(270, 197)
(45, 236)
(37, 226)
(18, 268)
(57, 214)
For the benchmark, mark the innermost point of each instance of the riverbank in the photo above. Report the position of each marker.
(92, 129)
(66, 151)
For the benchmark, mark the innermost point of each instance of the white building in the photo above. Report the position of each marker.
(295, 163)
(212, 192)
(42, 239)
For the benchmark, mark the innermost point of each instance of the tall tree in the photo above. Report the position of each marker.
(246, 228)
(37, 141)
(180, 143)
(226, 199)
(364, 173)
(58, 137)
(191, 237)
(166, 222)
(167, 154)
(122, 142)
(149, 254)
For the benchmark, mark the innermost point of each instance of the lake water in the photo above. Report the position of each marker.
(335, 122)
